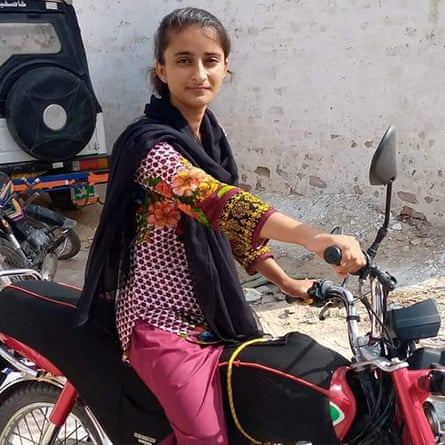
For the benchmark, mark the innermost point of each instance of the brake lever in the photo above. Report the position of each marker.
(324, 313)
(388, 281)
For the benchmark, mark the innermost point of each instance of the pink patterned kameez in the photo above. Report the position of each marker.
(161, 326)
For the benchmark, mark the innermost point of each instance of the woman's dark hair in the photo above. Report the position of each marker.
(177, 21)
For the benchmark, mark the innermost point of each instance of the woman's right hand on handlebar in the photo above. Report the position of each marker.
(352, 257)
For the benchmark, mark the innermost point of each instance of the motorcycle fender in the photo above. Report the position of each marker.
(68, 223)
(343, 405)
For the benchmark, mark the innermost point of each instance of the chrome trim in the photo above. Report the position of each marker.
(17, 363)
(381, 363)
(102, 435)
(14, 377)
(13, 276)
(50, 435)
(31, 272)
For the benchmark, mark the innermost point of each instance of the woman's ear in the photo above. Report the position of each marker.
(226, 66)
(160, 71)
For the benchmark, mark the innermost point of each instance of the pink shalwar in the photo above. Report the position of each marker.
(184, 377)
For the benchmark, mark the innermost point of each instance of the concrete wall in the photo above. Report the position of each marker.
(315, 85)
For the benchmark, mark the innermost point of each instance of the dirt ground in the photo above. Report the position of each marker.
(413, 251)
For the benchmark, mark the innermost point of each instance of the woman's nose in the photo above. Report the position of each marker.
(200, 72)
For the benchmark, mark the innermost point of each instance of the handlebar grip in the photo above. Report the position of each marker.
(332, 255)
(318, 294)
(295, 300)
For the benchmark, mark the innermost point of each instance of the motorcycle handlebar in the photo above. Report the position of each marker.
(333, 255)
(322, 291)
(319, 293)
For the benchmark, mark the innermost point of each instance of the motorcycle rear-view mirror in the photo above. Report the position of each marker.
(383, 171)
(384, 162)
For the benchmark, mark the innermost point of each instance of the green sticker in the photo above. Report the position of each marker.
(337, 414)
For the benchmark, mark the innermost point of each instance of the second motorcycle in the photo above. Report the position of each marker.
(33, 236)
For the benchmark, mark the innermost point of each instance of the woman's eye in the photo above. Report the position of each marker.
(183, 61)
(212, 61)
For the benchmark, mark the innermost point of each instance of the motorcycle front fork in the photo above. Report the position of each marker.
(411, 394)
(59, 414)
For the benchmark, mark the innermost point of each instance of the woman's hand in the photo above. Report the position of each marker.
(352, 257)
(271, 270)
(296, 288)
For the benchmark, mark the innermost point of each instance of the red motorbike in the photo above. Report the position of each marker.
(62, 384)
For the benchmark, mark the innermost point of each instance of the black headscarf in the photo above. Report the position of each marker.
(214, 275)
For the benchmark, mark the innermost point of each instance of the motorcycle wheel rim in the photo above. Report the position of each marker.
(28, 425)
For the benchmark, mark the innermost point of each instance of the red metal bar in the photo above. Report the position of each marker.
(41, 361)
(64, 405)
(411, 397)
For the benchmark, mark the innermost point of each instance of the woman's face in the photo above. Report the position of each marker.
(194, 67)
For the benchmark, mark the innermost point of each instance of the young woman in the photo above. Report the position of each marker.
(172, 223)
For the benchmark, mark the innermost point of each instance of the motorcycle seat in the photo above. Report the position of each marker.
(42, 315)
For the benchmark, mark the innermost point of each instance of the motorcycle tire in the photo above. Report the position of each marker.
(24, 415)
(70, 247)
(9, 257)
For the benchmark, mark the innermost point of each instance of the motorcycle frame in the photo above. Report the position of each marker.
(410, 385)
(411, 395)
(410, 390)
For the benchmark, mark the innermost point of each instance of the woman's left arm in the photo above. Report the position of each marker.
(271, 270)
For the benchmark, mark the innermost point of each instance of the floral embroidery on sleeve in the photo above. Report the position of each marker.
(189, 187)
(174, 186)
(243, 217)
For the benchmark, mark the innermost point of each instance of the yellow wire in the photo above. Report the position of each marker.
(230, 389)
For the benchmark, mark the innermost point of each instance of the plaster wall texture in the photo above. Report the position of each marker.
(315, 85)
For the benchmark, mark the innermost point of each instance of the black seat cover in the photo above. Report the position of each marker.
(270, 406)
(41, 315)
(271, 402)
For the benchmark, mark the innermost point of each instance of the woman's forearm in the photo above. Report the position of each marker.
(280, 227)
(271, 270)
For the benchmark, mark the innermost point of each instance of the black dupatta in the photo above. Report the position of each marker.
(214, 274)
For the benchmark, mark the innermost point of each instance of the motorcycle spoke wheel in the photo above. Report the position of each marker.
(9, 258)
(24, 418)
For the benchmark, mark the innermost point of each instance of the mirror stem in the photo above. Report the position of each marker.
(382, 232)
(388, 205)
